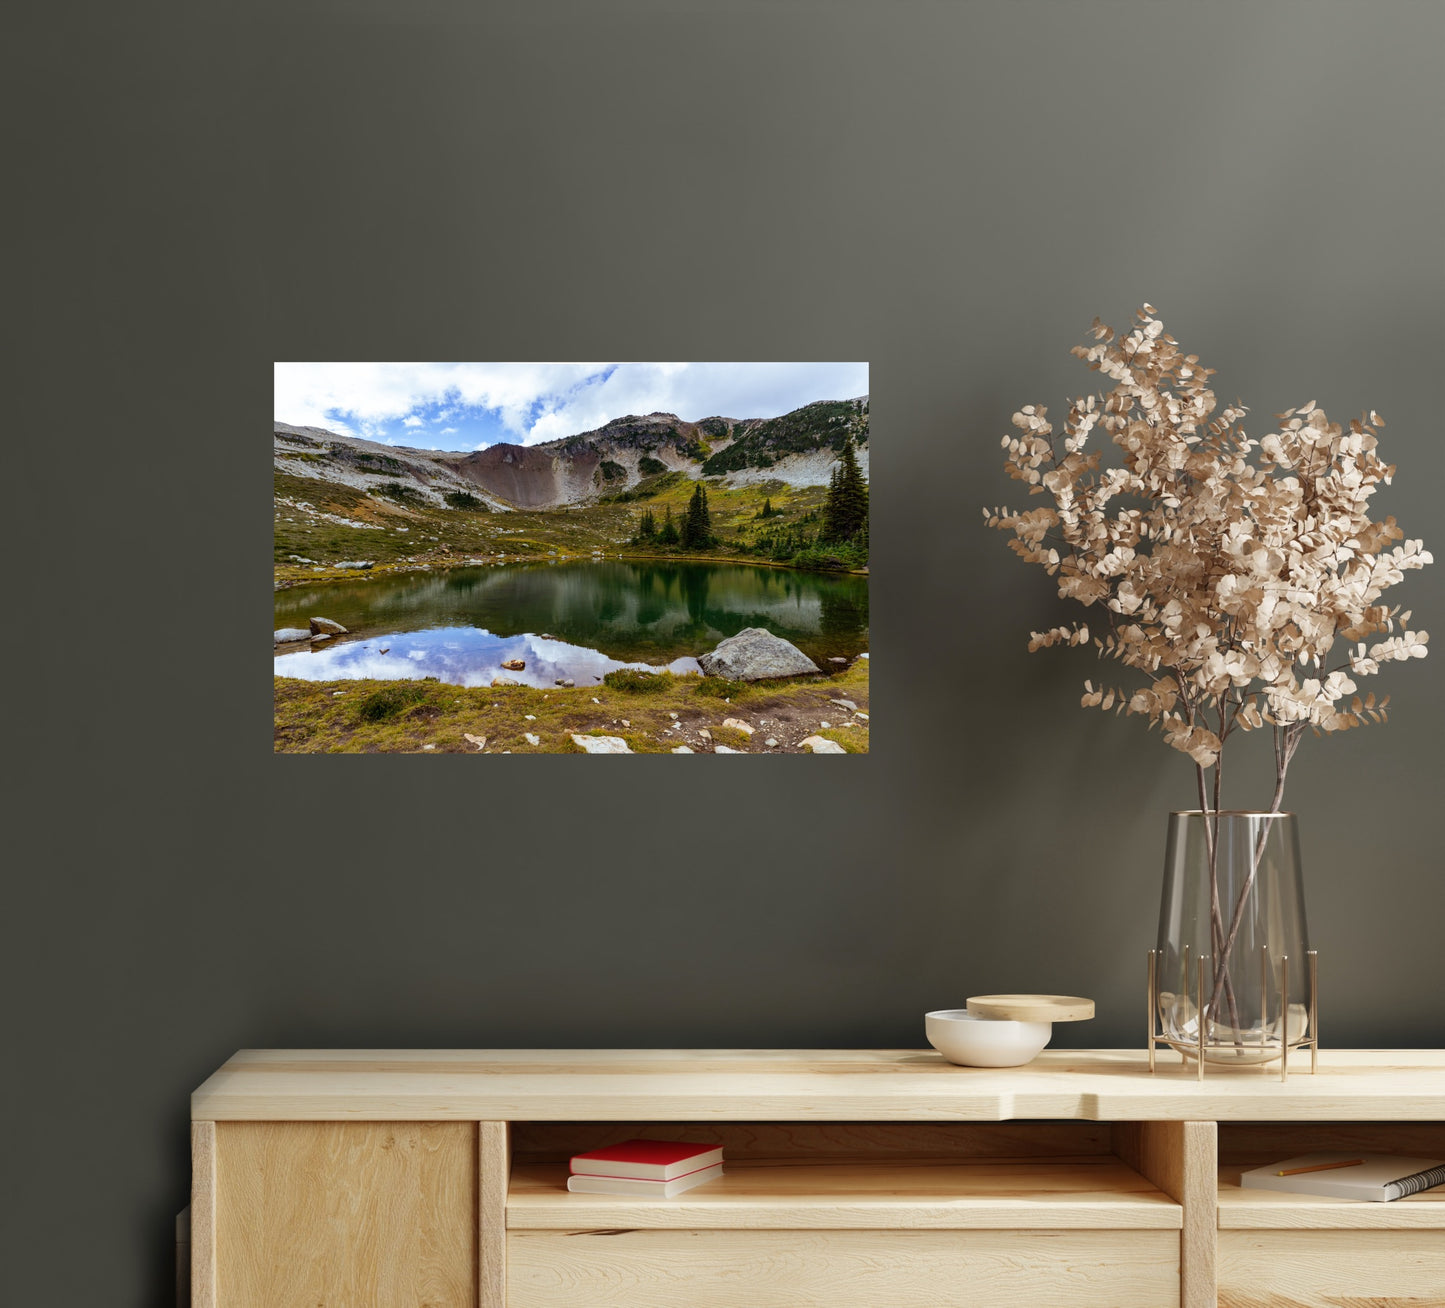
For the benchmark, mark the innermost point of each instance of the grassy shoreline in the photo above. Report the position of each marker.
(413, 717)
(323, 523)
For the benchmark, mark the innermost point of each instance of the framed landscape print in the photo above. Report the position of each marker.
(571, 558)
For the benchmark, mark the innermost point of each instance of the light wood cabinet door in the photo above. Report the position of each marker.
(1327, 1269)
(842, 1269)
(345, 1214)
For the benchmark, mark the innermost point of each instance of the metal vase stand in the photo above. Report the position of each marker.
(1158, 1037)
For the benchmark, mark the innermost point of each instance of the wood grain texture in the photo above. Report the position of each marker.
(1241, 1209)
(1179, 1157)
(203, 1215)
(817, 1085)
(855, 1177)
(541, 1142)
(842, 1269)
(1032, 1008)
(1256, 1143)
(494, 1165)
(1096, 1193)
(346, 1213)
(1322, 1269)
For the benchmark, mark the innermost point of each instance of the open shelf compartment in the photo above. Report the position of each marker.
(1243, 1146)
(858, 1176)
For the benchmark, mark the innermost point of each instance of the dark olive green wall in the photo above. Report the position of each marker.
(950, 191)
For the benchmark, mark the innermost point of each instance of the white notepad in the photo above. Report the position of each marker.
(657, 1189)
(1378, 1177)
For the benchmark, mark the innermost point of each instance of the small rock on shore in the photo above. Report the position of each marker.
(601, 744)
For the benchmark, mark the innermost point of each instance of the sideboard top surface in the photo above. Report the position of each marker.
(806, 1084)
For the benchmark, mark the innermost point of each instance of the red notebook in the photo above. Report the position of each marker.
(647, 1160)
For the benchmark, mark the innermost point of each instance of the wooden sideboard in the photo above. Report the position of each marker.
(854, 1179)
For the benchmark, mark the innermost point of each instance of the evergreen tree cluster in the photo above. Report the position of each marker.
(781, 543)
(836, 537)
(697, 521)
(845, 511)
(649, 533)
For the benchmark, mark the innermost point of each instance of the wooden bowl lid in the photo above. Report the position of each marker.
(1032, 1008)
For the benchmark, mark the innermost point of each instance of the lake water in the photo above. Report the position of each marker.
(565, 620)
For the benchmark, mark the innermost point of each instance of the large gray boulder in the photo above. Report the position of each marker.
(319, 625)
(287, 634)
(755, 653)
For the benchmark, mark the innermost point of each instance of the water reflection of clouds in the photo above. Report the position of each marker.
(460, 656)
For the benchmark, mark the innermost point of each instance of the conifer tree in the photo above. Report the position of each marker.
(668, 535)
(829, 512)
(697, 523)
(845, 511)
(646, 526)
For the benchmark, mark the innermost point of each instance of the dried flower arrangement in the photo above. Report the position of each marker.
(1230, 571)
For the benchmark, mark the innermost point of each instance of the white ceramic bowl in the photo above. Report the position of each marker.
(973, 1041)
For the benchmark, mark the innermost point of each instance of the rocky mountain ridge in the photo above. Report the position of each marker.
(800, 448)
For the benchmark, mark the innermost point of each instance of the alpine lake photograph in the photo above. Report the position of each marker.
(571, 558)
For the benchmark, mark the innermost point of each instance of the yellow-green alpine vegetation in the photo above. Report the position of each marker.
(320, 524)
(654, 713)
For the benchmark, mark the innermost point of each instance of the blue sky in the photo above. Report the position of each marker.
(467, 406)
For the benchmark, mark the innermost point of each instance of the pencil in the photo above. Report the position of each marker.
(1320, 1167)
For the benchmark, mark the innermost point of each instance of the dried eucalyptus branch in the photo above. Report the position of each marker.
(1231, 572)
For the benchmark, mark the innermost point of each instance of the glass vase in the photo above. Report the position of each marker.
(1233, 955)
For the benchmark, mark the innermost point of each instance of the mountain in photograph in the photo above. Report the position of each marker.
(799, 449)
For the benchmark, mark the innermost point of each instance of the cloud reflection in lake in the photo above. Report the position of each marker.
(460, 656)
(642, 610)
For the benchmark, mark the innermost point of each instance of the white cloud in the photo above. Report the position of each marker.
(447, 431)
(698, 390)
(542, 401)
(383, 392)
